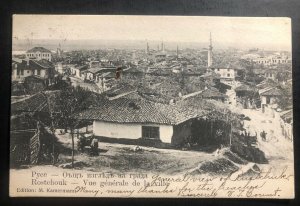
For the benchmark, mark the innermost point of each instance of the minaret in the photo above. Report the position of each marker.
(209, 56)
(177, 52)
(147, 48)
(162, 46)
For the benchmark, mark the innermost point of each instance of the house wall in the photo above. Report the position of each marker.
(43, 73)
(14, 74)
(129, 130)
(287, 129)
(264, 100)
(59, 68)
(39, 55)
(89, 76)
(226, 73)
(27, 72)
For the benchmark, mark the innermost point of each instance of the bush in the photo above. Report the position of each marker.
(250, 153)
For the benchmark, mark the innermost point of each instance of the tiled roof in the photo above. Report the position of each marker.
(43, 63)
(94, 70)
(133, 108)
(211, 93)
(101, 69)
(287, 115)
(120, 89)
(16, 60)
(36, 103)
(244, 87)
(38, 49)
(81, 67)
(211, 74)
(35, 64)
(272, 92)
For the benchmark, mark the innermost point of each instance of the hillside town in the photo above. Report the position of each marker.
(80, 104)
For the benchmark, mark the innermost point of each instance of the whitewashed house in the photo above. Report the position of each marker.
(227, 75)
(39, 53)
(79, 70)
(269, 97)
(24, 68)
(132, 118)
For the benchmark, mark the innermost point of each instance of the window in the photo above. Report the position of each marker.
(150, 132)
(228, 75)
(38, 72)
(28, 71)
(22, 72)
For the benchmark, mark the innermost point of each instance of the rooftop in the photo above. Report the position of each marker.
(35, 64)
(272, 92)
(132, 108)
(38, 49)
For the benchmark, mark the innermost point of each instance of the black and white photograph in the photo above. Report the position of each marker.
(151, 106)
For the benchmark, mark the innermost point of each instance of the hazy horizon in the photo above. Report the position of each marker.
(269, 33)
(53, 44)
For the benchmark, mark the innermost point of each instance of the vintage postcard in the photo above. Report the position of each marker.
(151, 106)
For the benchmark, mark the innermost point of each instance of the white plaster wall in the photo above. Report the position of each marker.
(26, 73)
(263, 100)
(166, 133)
(224, 72)
(14, 75)
(43, 73)
(129, 130)
(89, 76)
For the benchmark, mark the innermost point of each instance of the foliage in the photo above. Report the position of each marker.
(71, 101)
(286, 100)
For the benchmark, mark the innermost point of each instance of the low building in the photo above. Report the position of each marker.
(247, 96)
(105, 80)
(41, 68)
(213, 93)
(39, 53)
(272, 60)
(269, 97)
(92, 74)
(132, 117)
(227, 75)
(79, 71)
(271, 74)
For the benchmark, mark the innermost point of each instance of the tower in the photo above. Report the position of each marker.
(177, 52)
(162, 46)
(209, 56)
(147, 48)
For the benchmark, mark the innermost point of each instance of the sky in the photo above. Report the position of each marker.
(261, 32)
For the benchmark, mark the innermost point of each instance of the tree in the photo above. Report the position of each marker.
(71, 101)
(286, 100)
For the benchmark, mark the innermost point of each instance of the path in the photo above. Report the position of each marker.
(278, 149)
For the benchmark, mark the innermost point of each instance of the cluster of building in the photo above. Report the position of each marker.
(158, 94)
